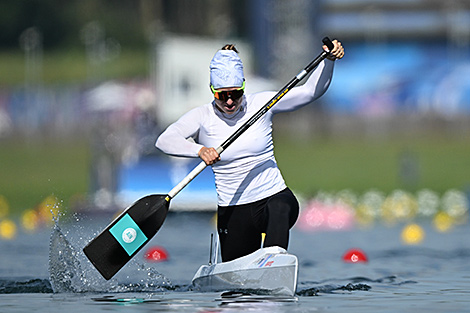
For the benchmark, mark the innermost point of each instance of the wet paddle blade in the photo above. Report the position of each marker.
(127, 234)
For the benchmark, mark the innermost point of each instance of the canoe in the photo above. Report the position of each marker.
(268, 270)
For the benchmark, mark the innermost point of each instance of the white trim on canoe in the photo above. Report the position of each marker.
(269, 269)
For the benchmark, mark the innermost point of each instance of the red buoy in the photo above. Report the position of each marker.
(354, 256)
(156, 254)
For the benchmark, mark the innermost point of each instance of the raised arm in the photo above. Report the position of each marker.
(315, 86)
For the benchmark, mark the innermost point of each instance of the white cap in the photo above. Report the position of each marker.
(226, 70)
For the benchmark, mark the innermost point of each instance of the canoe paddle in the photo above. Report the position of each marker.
(133, 228)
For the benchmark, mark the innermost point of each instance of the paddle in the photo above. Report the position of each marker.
(131, 230)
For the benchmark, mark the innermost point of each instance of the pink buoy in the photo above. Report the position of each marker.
(156, 254)
(318, 216)
(354, 256)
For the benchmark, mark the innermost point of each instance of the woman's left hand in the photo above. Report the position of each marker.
(337, 52)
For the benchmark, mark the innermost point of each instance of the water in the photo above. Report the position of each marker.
(47, 272)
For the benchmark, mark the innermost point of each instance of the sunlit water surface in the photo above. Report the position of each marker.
(47, 271)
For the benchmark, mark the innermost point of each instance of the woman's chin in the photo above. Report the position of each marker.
(230, 110)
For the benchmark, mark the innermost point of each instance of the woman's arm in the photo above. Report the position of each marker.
(174, 140)
(315, 86)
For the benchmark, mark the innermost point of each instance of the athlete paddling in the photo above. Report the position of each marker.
(252, 195)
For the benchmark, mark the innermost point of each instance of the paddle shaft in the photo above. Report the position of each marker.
(291, 84)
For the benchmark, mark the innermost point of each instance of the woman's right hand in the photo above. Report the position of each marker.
(337, 52)
(209, 155)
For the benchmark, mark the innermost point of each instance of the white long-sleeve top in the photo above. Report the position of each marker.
(247, 171)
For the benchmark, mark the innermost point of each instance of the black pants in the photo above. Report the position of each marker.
(240, 227)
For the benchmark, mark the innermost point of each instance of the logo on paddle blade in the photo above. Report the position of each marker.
(129, 235)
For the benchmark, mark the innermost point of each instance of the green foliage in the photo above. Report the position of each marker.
(71, 66)
(31, 171)
(60, 22)
(358, 165)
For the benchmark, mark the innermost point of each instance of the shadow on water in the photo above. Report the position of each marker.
(13, 285)
(352, 284)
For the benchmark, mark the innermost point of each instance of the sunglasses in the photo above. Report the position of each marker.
(230, 94)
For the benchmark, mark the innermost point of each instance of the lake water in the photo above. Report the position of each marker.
(46, 271)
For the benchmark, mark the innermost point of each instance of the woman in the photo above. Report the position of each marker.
(252, 195)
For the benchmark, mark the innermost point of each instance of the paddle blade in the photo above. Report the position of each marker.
(127, 234)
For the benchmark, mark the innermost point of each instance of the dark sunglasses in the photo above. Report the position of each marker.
(231, 94)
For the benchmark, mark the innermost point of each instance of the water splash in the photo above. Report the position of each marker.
(71, 272)
(65, 272)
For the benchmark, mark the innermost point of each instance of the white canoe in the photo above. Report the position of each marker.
(271, 270)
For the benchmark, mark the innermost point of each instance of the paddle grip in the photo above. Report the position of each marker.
(328, 43)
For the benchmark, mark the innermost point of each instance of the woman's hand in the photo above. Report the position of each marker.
(209, 155)
(337, 52)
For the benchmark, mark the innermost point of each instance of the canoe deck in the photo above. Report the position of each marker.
(270, 270)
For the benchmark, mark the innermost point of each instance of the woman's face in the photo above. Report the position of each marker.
(229, 105)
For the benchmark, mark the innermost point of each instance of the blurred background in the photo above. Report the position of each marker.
(87, 86)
